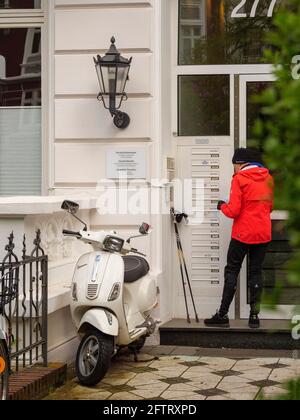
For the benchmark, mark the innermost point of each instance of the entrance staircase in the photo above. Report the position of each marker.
(273, 335)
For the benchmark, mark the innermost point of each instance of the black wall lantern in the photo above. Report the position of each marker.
(113, 70)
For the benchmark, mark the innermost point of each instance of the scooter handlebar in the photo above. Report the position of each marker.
(71, 233)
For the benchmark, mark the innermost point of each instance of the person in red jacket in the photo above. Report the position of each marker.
(250, 206)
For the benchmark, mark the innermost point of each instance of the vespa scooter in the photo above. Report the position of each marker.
(112, 299)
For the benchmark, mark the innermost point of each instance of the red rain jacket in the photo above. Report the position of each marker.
(250, 205)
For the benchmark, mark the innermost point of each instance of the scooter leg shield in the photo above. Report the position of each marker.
(102, 320)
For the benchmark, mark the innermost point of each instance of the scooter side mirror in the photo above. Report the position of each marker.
(73, 208)
(144, 229)
(70, 207)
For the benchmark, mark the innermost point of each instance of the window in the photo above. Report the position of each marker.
(223, 31)
(20, 105)
(254, 111)
(20, 4)
(204, 105)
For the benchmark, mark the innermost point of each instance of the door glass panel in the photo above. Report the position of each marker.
(20, 4)
(275, 270)
(224, 31)
(20, 111)
(253, 108)
(204, 105)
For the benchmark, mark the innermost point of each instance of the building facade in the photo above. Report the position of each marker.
(196, 65)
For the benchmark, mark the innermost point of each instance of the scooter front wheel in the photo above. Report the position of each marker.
(4, 372)
(94, 357)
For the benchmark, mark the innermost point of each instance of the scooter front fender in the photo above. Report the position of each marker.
(102, 320)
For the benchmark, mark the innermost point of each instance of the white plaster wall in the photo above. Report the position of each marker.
(83, 130)
(80, 131)
(82, 127)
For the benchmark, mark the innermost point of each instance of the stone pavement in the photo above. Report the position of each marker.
(190, 374)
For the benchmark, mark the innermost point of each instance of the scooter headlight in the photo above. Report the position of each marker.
(113, 244)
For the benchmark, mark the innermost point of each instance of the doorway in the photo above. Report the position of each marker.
(279, 252)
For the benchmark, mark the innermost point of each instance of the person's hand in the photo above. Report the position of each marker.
(220, 204)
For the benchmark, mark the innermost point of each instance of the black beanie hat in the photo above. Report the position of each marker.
(247, 155)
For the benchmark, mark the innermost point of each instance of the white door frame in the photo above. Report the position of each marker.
(282, 312)
(249, 72)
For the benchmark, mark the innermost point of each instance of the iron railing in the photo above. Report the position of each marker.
(24, 303)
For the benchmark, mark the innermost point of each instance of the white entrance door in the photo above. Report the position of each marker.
(279, 251)
(204, 125)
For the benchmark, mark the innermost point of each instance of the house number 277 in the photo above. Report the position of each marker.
(236, 13)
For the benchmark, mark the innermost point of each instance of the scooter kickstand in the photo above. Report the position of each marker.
(135, 354)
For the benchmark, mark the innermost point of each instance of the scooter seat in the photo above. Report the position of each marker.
(135, 268)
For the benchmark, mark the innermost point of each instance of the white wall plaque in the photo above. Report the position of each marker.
(126, 163)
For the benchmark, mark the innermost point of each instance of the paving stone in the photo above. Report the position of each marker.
(172, 381)
(181, 395)
(213, 392)
(143, 379)
(191, 397)
(242, 396)
(150, 391)
(119, 379)
(171, 371)
(141, 369)
(162, 350)
(125, 396)
(226, 373)
(218, 363)
(115, 389)
(186, 351)
(205, 381)
(166, 362)
(195, 376)
(283, 375)
(256, 374)
(186, 387)
(186, 377)
(275, 366)
(232, 383)
(97, 396)
(194, 364)
(272, 392)
(264, 384)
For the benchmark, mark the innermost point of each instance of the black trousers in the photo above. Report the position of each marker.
(236, 254)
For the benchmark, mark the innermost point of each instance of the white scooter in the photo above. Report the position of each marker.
(112, 297)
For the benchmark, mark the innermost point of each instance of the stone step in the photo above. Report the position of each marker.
(273, 335)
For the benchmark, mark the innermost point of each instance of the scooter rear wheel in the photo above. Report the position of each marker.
(4, 372)
(94, 357)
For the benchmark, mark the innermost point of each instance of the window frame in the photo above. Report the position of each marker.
(24, 13)
(36, 18)
(203, 69)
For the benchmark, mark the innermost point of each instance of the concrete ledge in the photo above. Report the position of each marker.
(22, 206)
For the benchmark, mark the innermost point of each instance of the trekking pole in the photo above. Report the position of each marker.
(180, 264)
(189, 282)
(181, 216)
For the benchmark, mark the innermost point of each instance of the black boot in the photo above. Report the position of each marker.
(254, 321)
(217, 320)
